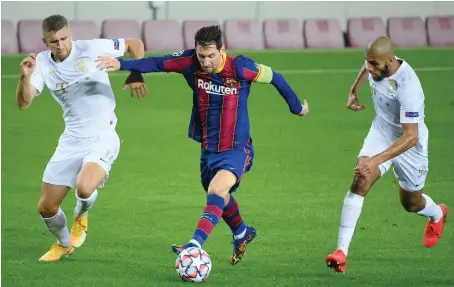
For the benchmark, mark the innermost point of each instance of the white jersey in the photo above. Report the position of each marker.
(83, 91)
(399, 99)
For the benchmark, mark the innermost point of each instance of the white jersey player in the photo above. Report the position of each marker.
(89, 144)
(398, 137)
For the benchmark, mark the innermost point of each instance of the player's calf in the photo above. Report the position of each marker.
(351, 211)
(218, 189)
(89, 178)
(412, 201)
(54, 218)
(233, 219)
(242, 234)
(422, 204)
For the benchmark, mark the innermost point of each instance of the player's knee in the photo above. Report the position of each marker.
(222, 183)
(84, 190)
(361, 185)
(218, 189)
(46, 209)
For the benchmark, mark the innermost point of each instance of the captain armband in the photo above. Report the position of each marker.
(265, 74)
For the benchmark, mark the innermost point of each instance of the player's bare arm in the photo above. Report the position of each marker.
(25, 92)
(353, 97)
(135, 48)
(404, 143)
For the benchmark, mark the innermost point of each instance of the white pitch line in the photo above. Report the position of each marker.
(285, 72)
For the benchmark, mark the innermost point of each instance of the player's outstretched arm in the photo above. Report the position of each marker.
(176, 62)
(286, 91)
(259, 73)
(25, 92)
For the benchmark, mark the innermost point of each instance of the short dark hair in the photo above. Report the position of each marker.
(209, 35)
(54, 23)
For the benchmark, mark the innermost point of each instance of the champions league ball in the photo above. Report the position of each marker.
(193, 265)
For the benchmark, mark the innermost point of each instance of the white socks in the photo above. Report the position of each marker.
(351, 211)
(57, 226)
(83, 205)
(432, 210)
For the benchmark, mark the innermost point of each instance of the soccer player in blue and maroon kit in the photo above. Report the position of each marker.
(221, 85)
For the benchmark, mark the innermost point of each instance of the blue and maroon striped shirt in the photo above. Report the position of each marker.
(219, 119)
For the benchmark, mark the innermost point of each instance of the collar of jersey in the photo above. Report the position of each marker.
(399, 71)
(224, 59)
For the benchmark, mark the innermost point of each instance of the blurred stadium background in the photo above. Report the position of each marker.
(253, 25)
(303, 166)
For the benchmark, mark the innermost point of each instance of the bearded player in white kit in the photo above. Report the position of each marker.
(399, 137)
(89, 144)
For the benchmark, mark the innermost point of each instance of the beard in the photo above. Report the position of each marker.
(384, 73)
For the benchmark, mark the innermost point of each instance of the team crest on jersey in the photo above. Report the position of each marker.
(392, 86)
(229, 82)
(81, 66)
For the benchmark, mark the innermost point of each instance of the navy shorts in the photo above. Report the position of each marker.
(237, 160)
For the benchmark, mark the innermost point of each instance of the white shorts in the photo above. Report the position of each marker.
(72, 153)
(410, 167)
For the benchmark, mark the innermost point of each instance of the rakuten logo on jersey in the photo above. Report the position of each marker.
(214, 89)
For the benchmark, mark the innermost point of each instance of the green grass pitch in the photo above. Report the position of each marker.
(293, 195)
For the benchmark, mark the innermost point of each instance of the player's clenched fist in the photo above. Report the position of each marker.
(109, 64)
(27, 66)
(305, 110)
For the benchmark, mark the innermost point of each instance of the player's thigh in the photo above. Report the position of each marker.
(98, 162)
(229, 169)
(51, 198)
(373, 144)
(412, 201)
(65, 163)
(411, 169)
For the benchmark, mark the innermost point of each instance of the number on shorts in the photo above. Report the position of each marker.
(108, 156)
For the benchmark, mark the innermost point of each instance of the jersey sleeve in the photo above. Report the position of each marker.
(36, 78)
(254, 72)
(177, 62)
(411, 98)
(108, 47)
